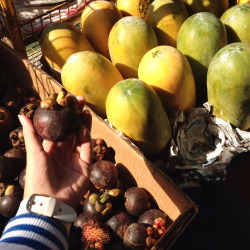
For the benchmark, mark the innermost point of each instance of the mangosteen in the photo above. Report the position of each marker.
(7, 170)
(97, 207)
(21, 178)
(17, 139)
(6, 120)
(156, 222)
(75, 233)
(148, 218)
(104, 174)
(135, 236)
(136, 200)
(9, 204)
(29, 109)
(116, 196)
(57, 117)
(101, 151)
(18, 157)
(119, 223)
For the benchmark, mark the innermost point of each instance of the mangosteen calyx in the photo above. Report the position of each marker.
(29, 109)
(17, 139)
(101, 203)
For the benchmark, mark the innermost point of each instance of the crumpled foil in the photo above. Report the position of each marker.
(203, 146)
(201, 149)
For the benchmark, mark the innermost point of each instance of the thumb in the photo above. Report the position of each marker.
(32, 143)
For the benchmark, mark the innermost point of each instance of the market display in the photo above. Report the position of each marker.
(60, 40)
(101, 24)
(172, 80)
(199, 28)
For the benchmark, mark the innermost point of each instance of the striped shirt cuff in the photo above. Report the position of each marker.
(36, 231)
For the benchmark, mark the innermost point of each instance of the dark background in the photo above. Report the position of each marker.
(223, 220)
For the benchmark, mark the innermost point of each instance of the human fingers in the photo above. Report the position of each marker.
(81, 102)
(63, 148)
(33, 144)
(85, 148)
(87, 119)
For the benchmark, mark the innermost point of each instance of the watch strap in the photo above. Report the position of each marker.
(47, 206)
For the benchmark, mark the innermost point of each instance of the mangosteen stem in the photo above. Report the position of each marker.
(103, 198)
(61, 95)
(107, 209)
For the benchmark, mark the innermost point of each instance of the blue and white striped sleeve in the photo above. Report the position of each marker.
(34, 232)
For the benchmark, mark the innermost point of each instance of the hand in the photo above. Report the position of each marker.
(60, 170)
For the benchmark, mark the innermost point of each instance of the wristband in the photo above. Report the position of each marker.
(49, 207)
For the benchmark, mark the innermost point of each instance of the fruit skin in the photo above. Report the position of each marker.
(149, 216)
(129, 39)
(228, 84)
(166, 17)
(56, 125)
(98, 17)
(119, 222)
(93, 232)
(9, 204)
(60, 40)
(133, 7)
(135, 109)
(199, 38)
(135, 236)
(243, 1)
(91, 75)
(136, 201)
(213, 6)
(237, 22)
(168, 71)
(103, 174)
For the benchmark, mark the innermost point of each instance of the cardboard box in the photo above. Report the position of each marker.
(133, 166)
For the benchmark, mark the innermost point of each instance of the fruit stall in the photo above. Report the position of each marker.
(166, 83)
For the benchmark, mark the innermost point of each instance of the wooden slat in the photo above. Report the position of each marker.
(13, 26)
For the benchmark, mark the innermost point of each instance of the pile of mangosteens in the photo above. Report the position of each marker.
(55, 118)
(112, 215)
(14, 101)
